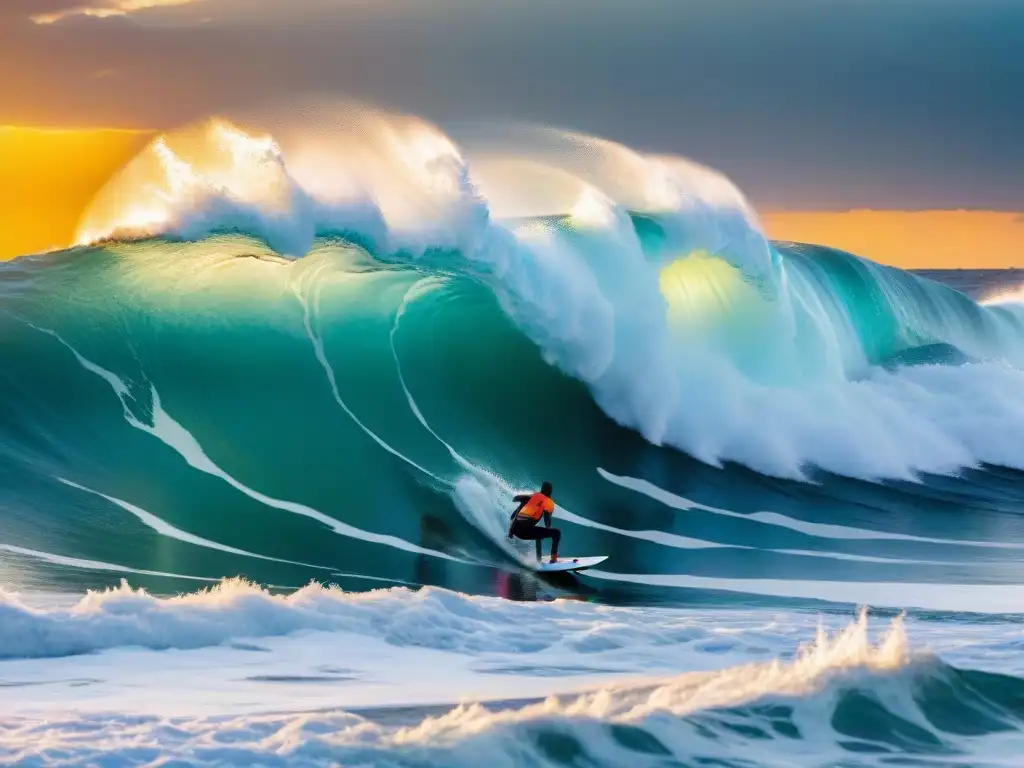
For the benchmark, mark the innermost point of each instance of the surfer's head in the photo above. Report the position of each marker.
(545, 488)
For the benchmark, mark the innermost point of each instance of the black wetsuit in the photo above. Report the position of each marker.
(527, 529)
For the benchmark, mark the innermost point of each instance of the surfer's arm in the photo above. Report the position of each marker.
(549, 510)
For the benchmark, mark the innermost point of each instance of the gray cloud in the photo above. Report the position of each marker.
(851, 103)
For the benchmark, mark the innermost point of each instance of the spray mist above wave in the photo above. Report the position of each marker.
(646, 277)
(289, 174)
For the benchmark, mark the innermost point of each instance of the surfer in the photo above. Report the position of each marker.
(523, 523)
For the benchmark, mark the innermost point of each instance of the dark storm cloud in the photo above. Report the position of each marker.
(880, 103)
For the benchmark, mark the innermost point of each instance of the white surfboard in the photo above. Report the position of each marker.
(569, 564)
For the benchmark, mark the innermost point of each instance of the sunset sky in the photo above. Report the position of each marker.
(881, 126)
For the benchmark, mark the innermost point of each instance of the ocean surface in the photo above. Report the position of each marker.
(260, 430)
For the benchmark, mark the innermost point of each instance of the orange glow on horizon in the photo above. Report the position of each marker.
(48, 176)
(910, 239)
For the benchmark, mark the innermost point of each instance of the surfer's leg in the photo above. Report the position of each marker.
(538, 534)
(556, 536)
(527, 530)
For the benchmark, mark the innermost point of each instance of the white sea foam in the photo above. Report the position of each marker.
(235, 608)
(636, 721)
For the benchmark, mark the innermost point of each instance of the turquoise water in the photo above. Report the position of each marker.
(411, 427)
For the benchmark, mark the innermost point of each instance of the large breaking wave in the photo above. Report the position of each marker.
(347, 321)
(645, 277)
